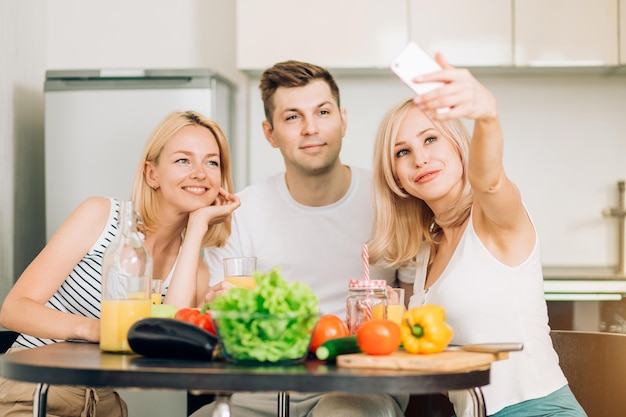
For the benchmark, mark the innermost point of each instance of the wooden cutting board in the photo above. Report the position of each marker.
(447, 361)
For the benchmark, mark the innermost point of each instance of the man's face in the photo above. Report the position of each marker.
(308, 127)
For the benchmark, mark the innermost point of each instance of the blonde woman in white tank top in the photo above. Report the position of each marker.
(444, 202)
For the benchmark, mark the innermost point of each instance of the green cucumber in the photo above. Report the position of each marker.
(330, 349)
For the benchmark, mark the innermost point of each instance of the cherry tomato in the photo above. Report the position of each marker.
(379, 337)
(328, 327)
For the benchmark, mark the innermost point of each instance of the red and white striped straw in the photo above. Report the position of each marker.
(366, 262)
(368, 309)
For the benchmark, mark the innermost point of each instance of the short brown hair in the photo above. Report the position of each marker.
(292, 74)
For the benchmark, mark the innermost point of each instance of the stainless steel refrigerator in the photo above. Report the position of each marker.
(96, 123)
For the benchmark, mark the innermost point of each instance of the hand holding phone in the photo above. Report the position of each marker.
(412, 62)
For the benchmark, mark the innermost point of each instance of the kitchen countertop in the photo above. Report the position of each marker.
(583, 284)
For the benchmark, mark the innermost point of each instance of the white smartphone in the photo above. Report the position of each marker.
(414, 61)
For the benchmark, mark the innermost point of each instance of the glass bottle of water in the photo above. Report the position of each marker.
(126, 282)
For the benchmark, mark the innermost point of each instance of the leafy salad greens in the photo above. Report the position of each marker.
(269, 323)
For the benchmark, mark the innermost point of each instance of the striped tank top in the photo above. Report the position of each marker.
(80, 292)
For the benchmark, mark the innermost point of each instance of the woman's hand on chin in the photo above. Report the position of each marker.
(219, 212)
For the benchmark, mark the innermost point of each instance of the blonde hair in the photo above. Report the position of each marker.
(144, 196)
(402, 223)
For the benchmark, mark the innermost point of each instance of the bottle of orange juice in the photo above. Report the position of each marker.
(126, 282)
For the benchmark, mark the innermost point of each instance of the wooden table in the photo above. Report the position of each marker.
(70, 363)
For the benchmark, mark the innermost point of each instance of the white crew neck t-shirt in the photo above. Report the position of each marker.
(318, 246)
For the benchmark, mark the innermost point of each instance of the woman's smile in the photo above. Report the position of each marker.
(196, 190)
(426, 176)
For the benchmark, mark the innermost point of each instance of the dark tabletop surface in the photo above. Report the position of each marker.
(75, 363)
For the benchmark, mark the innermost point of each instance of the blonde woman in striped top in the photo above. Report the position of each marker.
(183, 192)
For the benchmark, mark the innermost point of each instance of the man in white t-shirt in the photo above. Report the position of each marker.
(310, 221)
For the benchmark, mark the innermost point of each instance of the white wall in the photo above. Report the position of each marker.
(22, 65)
(565, 147)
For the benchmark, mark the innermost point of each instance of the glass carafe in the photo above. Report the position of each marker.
(126, 282)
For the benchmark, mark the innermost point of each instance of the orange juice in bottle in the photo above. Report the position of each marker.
(117, 316)
(126, 282)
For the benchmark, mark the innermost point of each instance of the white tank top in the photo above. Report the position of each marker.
(488, 301)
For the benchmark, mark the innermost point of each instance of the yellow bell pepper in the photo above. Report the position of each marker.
(424, 329)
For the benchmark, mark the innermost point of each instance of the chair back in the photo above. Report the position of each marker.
(7, 337)
(595, 366)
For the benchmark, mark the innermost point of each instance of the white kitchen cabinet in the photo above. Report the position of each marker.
(472, 33)
(337, 34)
(566, 32)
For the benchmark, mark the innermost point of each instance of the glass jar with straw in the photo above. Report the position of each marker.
(367, 299)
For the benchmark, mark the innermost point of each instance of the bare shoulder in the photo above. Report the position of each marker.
(87, 220)
(95, 205)
(69, 244)
(96, 210)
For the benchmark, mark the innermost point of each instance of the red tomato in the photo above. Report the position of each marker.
(328, 327)
(379, 337)
(205, 322)
(187, 314)
(194, 316)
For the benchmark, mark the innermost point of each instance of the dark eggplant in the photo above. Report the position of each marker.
(169, 338)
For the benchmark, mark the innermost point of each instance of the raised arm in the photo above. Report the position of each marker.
(191, 276)
(499, 215)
